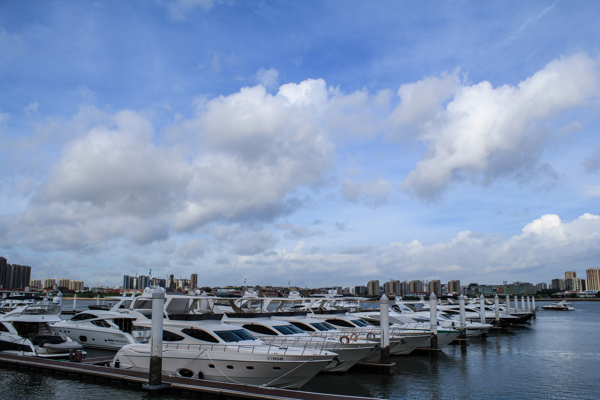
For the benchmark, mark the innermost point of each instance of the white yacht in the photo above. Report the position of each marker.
(284, 333)
(209, 349)
(26, 330)
(109, 330)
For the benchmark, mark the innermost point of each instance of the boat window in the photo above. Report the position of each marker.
(322, 326)
(263, 330)
(102, 323)
(304, 327)
(82, 317)
(360, 322)
(200, 335)
(171, 337)
(288, 329)
(235, 336)
(340, 322)
(125, 304)
(3, 328)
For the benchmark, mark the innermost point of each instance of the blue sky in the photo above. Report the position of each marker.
(316, 143)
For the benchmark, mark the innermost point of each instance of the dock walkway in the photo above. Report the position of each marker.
(89, 369)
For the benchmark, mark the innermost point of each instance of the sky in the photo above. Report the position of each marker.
(300, 143)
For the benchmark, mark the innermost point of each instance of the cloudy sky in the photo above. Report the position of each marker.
(313, 143)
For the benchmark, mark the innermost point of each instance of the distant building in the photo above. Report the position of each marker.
(415, 287)
(517, 288)
(541, 286)
(49, 283)
(570, 275)
(13, 276)
(373, 288)
(63, 283)
(35, 284)
(194, 281)
(454, 287)
(360, 290)
(593, 279)
(558, 284)
(435, 286)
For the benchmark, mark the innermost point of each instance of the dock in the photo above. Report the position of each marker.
(96, 369)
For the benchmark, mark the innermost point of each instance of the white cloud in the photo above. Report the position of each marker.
(372, 194)
(268, 78)
(484, 133)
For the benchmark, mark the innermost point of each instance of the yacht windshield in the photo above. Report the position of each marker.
(360, 322)
(288, 329)
(322, 326)
(235, 336)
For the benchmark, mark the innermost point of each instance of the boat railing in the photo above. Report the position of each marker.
(257, 349)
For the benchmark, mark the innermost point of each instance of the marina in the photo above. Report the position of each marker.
(512, 362)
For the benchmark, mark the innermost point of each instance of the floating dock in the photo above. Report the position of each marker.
(95, 369)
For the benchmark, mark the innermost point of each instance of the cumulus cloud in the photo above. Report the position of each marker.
(483, 133)
(256, 149)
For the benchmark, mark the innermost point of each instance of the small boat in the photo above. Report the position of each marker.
(560, 306)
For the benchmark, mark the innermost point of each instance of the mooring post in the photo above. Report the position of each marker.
(497, 309)
(482, 309)
(516, 304)
(463, 321)
(523, 303)
(74, 302)
(529, 303)
(58, 300)
(155, 372)
(533, 300)
(384, 323)
(433, 320)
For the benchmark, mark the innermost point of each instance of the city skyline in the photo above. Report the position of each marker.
(300, 142)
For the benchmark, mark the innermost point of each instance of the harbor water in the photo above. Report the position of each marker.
(554, 356)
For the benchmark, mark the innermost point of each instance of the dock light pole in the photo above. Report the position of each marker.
(155, 372)
(384, 323)
(497, 309)
(433, 319)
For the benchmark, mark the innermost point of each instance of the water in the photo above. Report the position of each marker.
(553, 357)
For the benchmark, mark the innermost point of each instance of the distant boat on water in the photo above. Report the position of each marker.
(560, 306)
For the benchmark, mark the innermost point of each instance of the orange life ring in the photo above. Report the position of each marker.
(344, 339)
(370, 335)
(354, 337)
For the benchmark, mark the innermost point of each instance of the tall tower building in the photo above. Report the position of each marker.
(373, 288)
(194, 281)
(593, 279)
(570, 275)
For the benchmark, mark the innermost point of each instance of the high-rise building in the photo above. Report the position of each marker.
(360, 290)
(557, 284)
(63, 283)
(35, 284)
(570, 275)
(541, 286)
(13, 276)
(454, 286)
(435, 286)
(593, 279)
(49, 283)
(373, 288)
(415, 287)
(128, 282)
(194, 281)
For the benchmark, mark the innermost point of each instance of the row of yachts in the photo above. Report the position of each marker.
(275, 342)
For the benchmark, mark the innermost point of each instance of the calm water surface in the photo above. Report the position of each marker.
(556, 356)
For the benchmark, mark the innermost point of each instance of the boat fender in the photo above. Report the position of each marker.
(370, 335)
(344, 339)
(354, 337)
